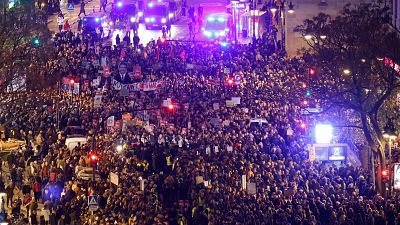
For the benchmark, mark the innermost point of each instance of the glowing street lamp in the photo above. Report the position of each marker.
(346, 71)
(291, 8)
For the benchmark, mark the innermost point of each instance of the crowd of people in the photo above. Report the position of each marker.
(197, 162)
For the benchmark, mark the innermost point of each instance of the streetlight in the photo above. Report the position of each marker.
(390, 135)
(273, 7)
(291, 8)
(346, 71)
(119, 148)
(307, 36)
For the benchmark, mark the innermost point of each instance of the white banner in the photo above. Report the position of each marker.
(140, 86)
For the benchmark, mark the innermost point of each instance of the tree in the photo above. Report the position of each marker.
(25, 48)
(351, 53)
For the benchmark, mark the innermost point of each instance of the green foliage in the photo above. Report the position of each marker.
(348, 51)
(25, 46)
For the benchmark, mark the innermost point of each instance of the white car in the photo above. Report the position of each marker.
(87, 175)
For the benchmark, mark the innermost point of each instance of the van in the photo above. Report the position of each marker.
(72, 142)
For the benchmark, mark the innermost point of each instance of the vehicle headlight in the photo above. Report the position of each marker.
(147, 20)
(140, 14)
(216, 34)
(152, 19)
(221, 33)
(110, 23)
(133, 19)
(170, 15)
(207, 33)
(163, 20)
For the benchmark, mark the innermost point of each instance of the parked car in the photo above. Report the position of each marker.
(87, 174)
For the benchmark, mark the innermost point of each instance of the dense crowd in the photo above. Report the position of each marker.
(181, 166)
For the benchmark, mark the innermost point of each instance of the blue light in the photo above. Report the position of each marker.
(224, 44)
(221, 19)
(151, 5)
(119, 4)
(210, 19)
(96, 19)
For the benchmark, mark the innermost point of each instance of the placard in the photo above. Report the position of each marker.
(199, 180)
(251, 188)
(216, 149)
(236, 100)
(229, 103)
(396, 176)
(110, 121)
(244, 182)
(114, 178)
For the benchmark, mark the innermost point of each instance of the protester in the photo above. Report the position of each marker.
(178, 144)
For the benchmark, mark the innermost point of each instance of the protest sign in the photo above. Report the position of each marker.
(251, 188)
(110, 121)
(216, 106)
(199, 180)
(236, 100)
(230, 103)
(114, 178)
(98, 101)
(139, 86)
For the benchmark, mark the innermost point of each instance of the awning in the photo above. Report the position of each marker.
(248, 13)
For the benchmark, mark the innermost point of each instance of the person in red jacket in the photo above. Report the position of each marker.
(67, 27)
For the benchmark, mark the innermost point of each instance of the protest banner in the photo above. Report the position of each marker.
(139, 86)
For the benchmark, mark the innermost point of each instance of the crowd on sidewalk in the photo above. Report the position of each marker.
(180, 165)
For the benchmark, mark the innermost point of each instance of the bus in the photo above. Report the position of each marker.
(218, 26)
(158, 14)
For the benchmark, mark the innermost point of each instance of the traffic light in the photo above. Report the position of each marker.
(308, 93)
(385, 175)
(93, 158)
(303, 125)
(72, 81)
(36, 42)
(170, 107)
(305, 102)
(230, 81)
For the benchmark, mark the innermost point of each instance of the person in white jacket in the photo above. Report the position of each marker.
(60, 21)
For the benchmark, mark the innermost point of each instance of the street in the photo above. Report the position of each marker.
(179, 30)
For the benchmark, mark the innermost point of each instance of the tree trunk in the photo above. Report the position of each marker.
(377, 153)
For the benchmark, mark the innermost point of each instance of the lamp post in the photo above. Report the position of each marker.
(390, 135)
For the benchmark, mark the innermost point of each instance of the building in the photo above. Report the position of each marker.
(304, 9)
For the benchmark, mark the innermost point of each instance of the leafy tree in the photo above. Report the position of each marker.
(25, 47)
(350, 55)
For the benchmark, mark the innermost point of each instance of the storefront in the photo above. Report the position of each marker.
(253, 23)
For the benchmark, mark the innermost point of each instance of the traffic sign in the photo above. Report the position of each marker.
(71, 6)
(92, 202)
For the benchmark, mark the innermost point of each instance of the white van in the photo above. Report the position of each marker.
(72, 142)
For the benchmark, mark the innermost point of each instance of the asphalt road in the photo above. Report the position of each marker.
(179, 30)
